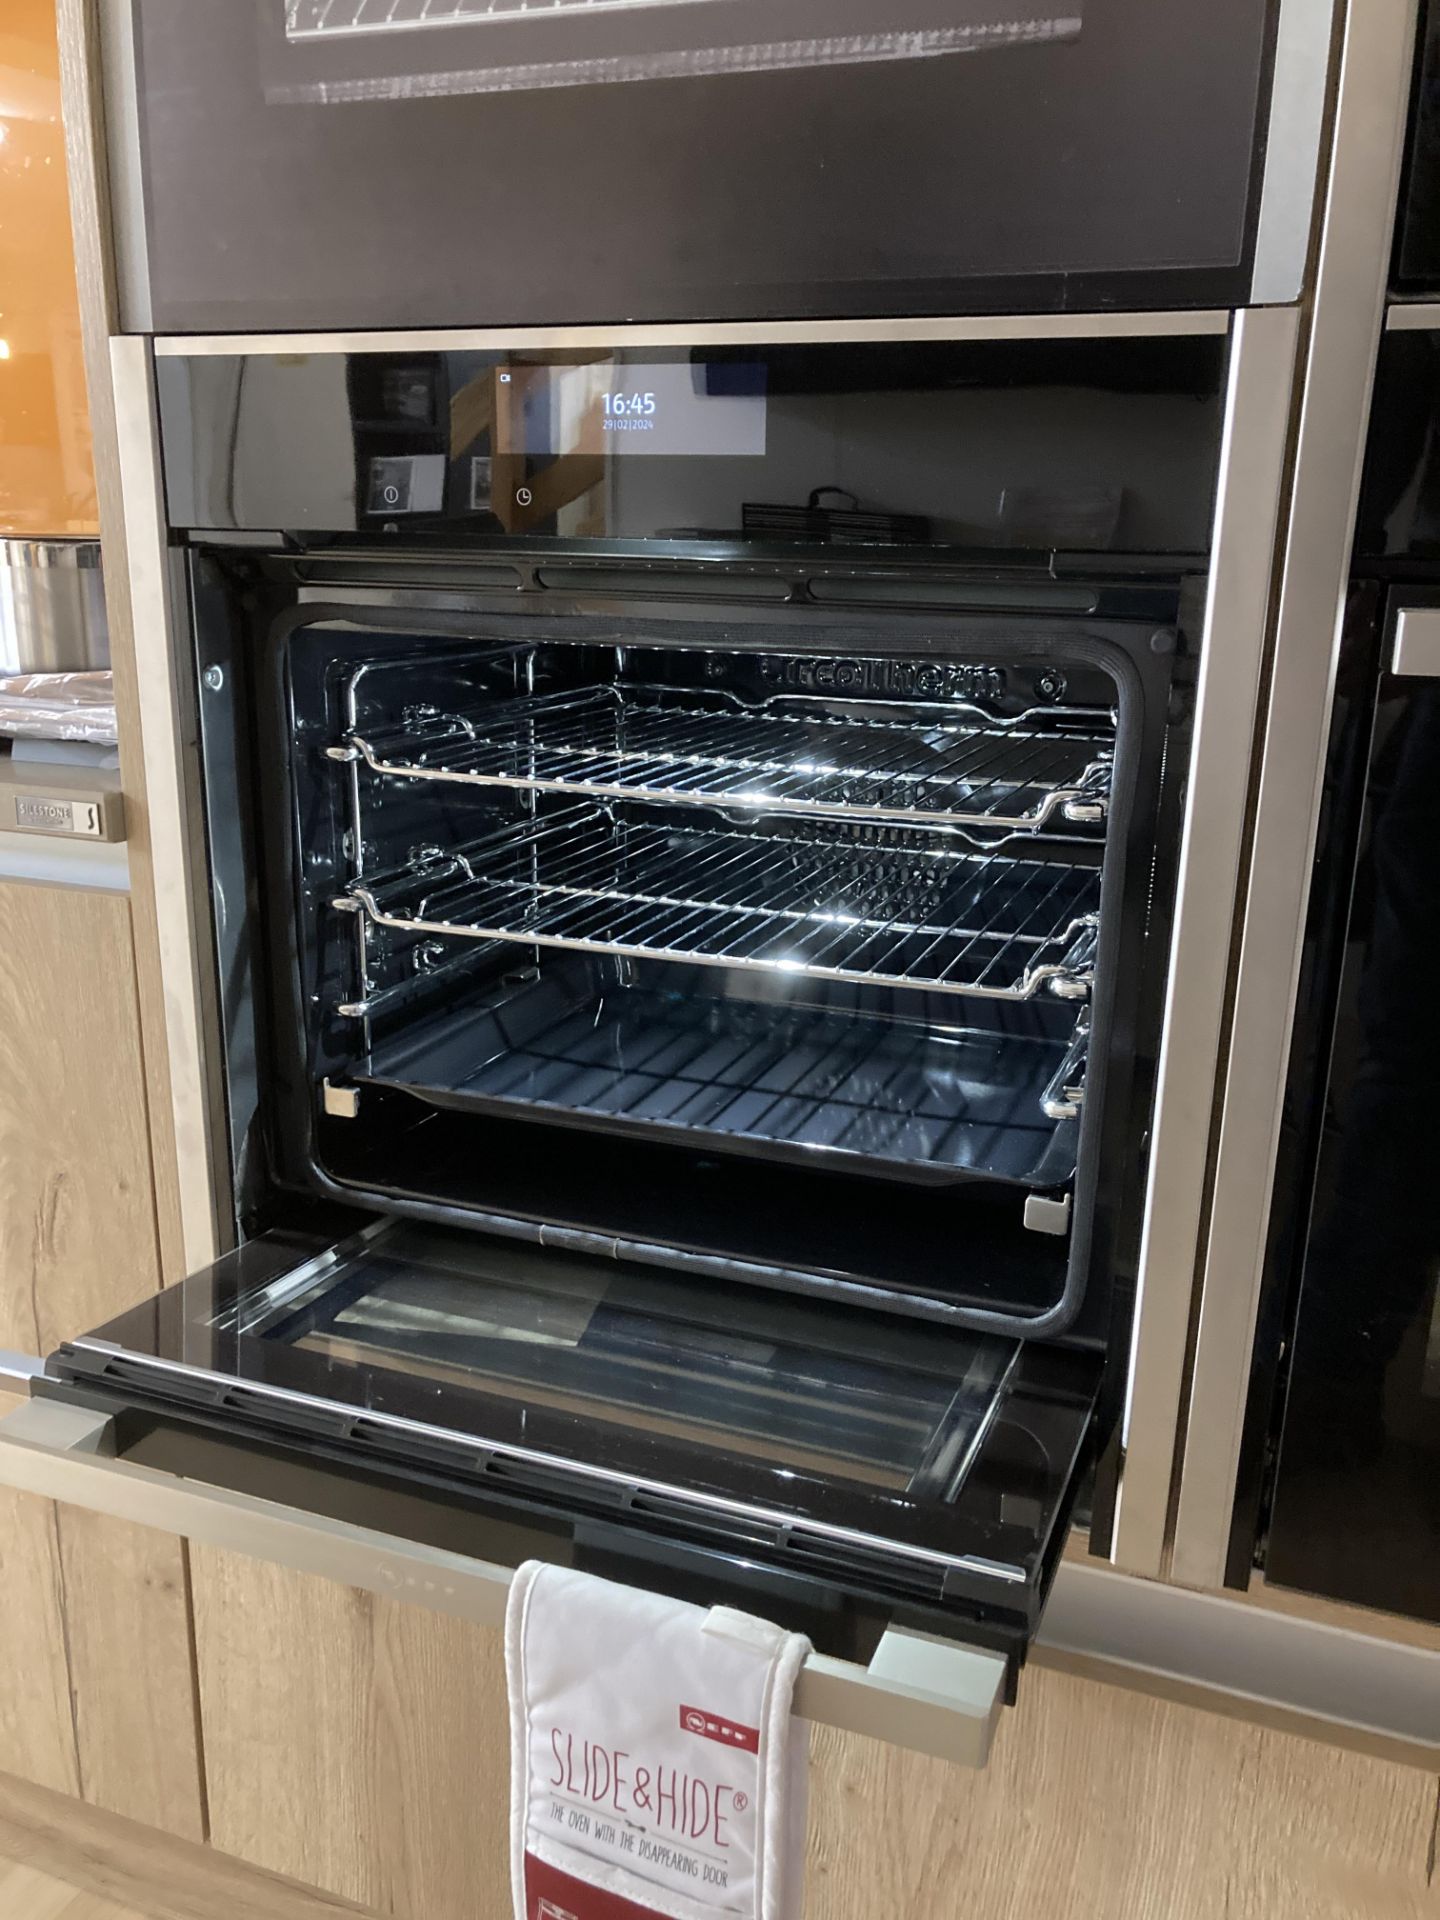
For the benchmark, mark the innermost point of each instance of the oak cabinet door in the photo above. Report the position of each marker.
(96, 1685)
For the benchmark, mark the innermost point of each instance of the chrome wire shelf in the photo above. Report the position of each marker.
(972, 923)
(686, 748)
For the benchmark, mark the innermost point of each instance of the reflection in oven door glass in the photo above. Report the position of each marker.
(375, 49)
(885, 1403)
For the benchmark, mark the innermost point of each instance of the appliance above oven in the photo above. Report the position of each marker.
(691, 883)
(342, 164)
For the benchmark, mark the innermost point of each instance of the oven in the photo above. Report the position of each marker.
(689, 836)
(303, 164)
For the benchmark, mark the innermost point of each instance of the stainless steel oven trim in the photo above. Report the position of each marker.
(112, 40)
(713, 1503)
(164, 669)
(1343, 344)
(931, 1695)
(17, 1370)
(779, 333)
(1303, 43)
(1247, 515)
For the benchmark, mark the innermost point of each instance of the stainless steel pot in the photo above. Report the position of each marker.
(52, 607)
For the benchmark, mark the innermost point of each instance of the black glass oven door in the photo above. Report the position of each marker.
(902, 1464)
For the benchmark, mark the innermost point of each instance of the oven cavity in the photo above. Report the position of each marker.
(750, 903)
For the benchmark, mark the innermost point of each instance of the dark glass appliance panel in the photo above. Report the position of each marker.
(1089, 157)
(808, 1431)
(1082, 446)
(1355, 1510)
(1417, 242)
(1399, 517)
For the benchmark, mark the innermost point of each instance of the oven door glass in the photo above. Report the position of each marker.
(905, 1460)
(391, 163)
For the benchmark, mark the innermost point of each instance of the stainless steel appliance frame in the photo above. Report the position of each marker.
(917, 1692)
(1294, 137)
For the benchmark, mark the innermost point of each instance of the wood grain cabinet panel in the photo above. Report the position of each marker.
(361, 1746)
(77, 1214)
(1101, 1804)
(96, 1682)
(37, 1737)
(352, 1742)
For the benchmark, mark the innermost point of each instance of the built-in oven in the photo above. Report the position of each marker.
(289, 164)
(690, 836)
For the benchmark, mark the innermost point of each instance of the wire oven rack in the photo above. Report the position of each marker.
(693, 748)
(955, 922)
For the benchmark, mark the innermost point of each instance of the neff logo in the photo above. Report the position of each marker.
(885, 679)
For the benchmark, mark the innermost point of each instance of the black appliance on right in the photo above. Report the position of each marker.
(1340, 1484)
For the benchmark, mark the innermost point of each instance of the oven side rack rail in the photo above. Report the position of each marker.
(686, 748)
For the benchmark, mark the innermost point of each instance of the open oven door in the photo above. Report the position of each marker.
(863, 1477)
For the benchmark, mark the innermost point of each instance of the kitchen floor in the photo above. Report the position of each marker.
(28, 1894)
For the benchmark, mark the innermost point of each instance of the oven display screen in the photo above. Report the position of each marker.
(598, 407)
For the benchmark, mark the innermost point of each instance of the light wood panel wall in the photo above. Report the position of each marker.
(361, 1746)
(1100, 1804)
(77, 1216)
(96, 1680)
(37, 1738)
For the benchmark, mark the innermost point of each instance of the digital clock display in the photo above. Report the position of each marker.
(631, 406)
(601, 407)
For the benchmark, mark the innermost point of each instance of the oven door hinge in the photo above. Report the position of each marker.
(341, 1103)
(1045, 1213)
